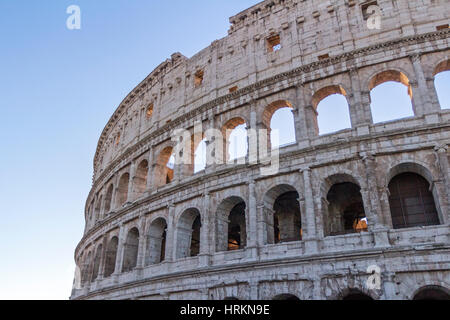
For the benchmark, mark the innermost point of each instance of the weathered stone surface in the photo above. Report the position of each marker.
(326, 48)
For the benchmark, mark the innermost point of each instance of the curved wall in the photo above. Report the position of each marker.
(326, 48)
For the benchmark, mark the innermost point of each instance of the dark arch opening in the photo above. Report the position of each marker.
(411, 201)
(345, 212)
(433, 293)
(131, 249)
(287, 218)
(286, 297)
(111, 255)
(237, 235)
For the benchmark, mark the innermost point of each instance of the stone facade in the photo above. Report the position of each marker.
(326, 48)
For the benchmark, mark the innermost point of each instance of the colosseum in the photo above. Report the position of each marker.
(361, 213)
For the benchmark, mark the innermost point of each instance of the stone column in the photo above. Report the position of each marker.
(361, 115)
(433, 95)
(130, 195)
(310, 234)
(120, 252)
(101, 269)
(374, 212)
(441, 153)
(421, 94)
(205, 233)
(252, 233)
(151, 167)
(170, 246)
(306, 120)
(253, 136)
(263, 227)
(142, 243)
(114, 194)
(211, 162)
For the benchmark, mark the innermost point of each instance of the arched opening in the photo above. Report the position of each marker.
(345, 211)
(287, 219)
(391, 96)
(111, 255)
(98, 257)
(164, 169)
(131, 248)
(108, 199)
(237, 235)
(286, 297)
(356, 295)
(333, 112)
(282, 213)
(200, 157)
(140, 179)
(188, 234)
(86, 269)
(278, 118)
(411, 201)
(231, 231)
(442, 83)
(433, 293)
(122, 189)
(236, 139)
(157, 242)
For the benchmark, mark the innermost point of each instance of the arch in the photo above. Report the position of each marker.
(111, 256)
(411, 201)
(282, 208)
(231, 231)
(164, 167)
(355, 294)
(237, 236)
(279, 116)
(157, 241)
(97, 260)
(188, 234)
(432, 293)
(122, 189)
(382, 85)
(108, 199)
(345, 212)
(140, 179)
(441, 67)
(333, 111)
(86, 269)
(441, 83)
(236, 139)
(286, 297)
(131, 248)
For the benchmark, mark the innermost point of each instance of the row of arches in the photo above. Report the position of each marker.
(411, 201)
(331, 105)
(352, 294)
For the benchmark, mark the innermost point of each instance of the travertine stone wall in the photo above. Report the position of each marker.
(326, 48)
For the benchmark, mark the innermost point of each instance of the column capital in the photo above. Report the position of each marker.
(304, 169)
(367, 156)
(441, 148)
(415, 57)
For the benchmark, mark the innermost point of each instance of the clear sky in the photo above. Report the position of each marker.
(57, 91)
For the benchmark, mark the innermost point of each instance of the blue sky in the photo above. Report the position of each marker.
(58, 89)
